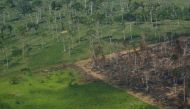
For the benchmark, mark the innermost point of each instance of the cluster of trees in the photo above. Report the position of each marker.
(154, 12)
(61, 13)
(67, 17)
(122, 10)
(104, 12)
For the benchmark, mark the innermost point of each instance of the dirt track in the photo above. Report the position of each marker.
(84, 65)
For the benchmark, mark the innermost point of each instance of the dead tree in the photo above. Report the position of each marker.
(186, 79)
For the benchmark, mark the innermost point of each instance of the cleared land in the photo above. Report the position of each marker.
(161, 91)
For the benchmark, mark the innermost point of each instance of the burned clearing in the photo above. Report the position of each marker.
(160, 71)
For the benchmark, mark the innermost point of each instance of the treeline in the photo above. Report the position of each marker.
(84, 20)
(122, 10)
(60, 12)
(59, 15)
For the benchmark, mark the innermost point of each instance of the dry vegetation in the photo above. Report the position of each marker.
(160, 71)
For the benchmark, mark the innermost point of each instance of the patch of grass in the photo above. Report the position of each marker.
(63, 90)
(46, 56)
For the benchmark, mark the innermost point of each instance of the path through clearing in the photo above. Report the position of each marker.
(84, 66)
(88, 70)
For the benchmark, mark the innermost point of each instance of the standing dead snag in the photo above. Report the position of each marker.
(150, 69)
(96, 49)
(186, 77)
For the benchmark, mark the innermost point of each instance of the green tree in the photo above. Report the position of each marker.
(56, 5)
(24, 6)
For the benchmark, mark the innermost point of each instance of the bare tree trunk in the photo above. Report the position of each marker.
(38, 16)
(151, 16)
(130, 29)
(6, 57)
(185, 49)
(91, 8)
(147, 86)
(184, 90)
(85, 4)
(122, 11)
(124, 35)
(4, 18)
(110, 46)
(186, 87)
(69, 47)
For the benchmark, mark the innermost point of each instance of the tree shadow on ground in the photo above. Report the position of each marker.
(4, 105)
(95, 95)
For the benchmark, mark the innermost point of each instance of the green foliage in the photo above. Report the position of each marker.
(177, 72)
(6, 30)
(11, 3)
(56, 5)
(16, 80)
(37, 3)
(47, 56)
(174, 57)
(33, 93)
(77, 6)
(4, 105)
(16, 52)
(24, 6)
